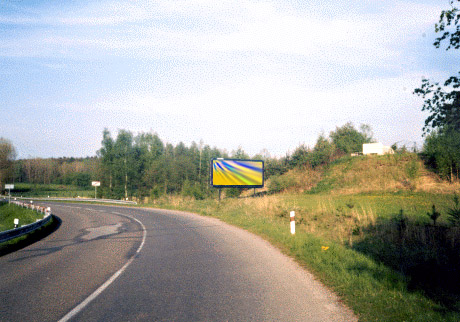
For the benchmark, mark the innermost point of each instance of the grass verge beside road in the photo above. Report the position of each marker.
(26, 240)
(379, 275)
(8, 212)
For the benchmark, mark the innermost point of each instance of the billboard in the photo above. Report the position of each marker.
(228, 173)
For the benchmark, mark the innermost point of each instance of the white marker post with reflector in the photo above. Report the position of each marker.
(292, 222)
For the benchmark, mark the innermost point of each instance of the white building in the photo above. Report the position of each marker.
(376, 148)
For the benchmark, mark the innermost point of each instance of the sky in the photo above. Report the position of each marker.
(261, 75)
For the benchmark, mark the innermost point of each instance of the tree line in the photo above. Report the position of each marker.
(143, 165)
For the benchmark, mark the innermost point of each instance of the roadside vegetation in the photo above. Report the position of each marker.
(8, 212)
(389, 248)
(382, 231)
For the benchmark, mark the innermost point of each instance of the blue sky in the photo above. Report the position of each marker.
(257, 74)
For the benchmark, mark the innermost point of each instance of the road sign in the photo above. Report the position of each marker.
(95, 184)
(9, 186)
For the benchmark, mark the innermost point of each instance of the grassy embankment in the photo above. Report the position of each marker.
(8, 212)
(363, 230)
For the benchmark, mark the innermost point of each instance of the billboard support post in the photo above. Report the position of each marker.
(220, 192)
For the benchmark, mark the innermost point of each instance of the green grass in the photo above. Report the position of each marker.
(8, 212)
(25, 240)
(385, 258)
(374, 287)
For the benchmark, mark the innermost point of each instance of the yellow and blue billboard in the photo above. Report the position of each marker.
(228, 173)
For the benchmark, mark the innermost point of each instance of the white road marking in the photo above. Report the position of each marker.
(101, 288)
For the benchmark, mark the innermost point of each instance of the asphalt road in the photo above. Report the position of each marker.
(128, 264)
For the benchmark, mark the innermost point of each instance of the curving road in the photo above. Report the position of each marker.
(128, 264)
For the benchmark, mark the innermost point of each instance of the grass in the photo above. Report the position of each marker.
(388, 173)
(362, 228)
(8, 212)
(28, 239)
(360, 265)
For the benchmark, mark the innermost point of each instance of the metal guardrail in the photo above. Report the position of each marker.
(18, 232)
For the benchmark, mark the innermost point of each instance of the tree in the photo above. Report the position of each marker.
(443, 102)
(300, 156)
(348, 139)
(442, 152)
(239, 154)
(322, 152)
(106, 153)
(124, 160)
(442, 147)
(7, 156)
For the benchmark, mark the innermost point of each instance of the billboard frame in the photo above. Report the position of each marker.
(236, 186)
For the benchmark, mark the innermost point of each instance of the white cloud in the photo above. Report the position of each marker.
(260, 74)
(200, 28)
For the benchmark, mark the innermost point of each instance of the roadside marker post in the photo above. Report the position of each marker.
(16, 222)
(292, 215)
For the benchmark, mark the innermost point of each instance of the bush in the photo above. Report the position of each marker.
(412, 169)
(195, 191)
(280, 183)
(454, 213)
(233, 192)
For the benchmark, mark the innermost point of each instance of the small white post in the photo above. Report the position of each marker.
(16, 222)
(292, 222)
